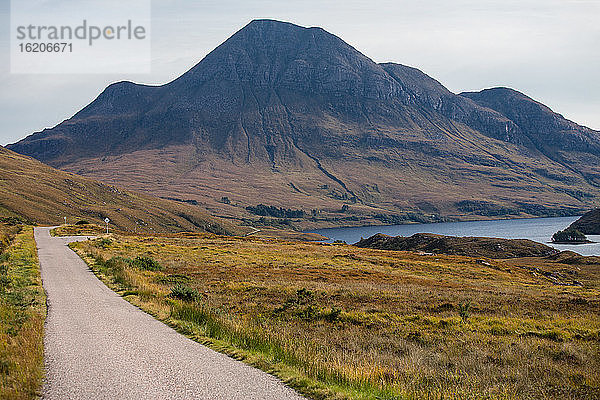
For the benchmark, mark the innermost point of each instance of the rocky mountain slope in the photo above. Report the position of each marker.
(557, 138)
(32, 191)
(295, 117)
(589, 223)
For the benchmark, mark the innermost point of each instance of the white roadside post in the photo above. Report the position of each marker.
(65, 220)
(107, 221)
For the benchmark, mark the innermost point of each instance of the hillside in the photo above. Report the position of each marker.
(589, 223)
(559, 139)
(35, 192)
(295, 117)
(463, 246)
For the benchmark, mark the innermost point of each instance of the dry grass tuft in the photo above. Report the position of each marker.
(22, 314)
(343, 322)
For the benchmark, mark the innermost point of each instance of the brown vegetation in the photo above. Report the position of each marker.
(22, 314)
(462, 246)
(336, 321)
(32, 191)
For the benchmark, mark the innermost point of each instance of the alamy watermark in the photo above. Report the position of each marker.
(87, 36)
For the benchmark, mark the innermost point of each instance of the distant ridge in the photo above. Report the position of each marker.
(295, 117)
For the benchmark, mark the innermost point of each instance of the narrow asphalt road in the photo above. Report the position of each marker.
(98, 346)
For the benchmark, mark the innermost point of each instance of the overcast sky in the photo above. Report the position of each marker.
(548, 49)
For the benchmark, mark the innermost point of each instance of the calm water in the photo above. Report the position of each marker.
(538, 229)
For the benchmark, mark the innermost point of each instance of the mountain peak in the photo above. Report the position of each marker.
(500, 92)
(269, 53)
(515, 105)
(267, 24)
(548, 131)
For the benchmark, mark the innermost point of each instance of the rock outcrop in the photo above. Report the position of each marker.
(589, 223)
(463, 246)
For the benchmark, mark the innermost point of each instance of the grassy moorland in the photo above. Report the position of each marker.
(93, 229)
(22, 313)
(340, 322)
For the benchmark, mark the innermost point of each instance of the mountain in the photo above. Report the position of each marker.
(553, 135)
(294, 117)
(37, 193)
(589, 223)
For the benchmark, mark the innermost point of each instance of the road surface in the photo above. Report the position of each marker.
(98, 346)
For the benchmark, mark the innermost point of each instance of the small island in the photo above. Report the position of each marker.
(570, 236)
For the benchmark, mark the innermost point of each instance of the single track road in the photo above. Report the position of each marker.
(98, 346)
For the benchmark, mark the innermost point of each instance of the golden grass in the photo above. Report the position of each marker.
(344, 322)
(22, 314)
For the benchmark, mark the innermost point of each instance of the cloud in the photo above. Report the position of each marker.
(545, 48)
